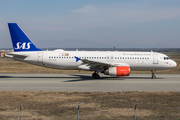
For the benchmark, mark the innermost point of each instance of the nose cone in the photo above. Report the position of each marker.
(173, 64)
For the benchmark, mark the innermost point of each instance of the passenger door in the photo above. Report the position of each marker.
(155, 59)
(40, 57)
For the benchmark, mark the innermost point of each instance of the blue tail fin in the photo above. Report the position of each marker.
(19, 39)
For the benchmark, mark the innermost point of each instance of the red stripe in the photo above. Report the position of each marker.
(122, 71)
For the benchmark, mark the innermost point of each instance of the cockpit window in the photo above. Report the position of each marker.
(166, 58)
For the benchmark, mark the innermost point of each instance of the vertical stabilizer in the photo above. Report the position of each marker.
(19, 39)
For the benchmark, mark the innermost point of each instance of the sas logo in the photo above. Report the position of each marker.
(23, 45)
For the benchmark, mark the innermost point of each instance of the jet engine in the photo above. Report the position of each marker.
(118, 71)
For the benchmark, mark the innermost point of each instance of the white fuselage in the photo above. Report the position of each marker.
(112, 63)
(66, 59)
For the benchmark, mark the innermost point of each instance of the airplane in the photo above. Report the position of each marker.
(113, 63)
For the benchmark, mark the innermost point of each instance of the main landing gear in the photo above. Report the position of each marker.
(95, 75)
(153, 75)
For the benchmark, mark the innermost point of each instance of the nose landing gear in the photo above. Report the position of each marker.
(153, 75)
(95, 75)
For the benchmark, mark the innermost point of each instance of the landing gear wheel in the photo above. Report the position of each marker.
(153, 75)
(95, 76)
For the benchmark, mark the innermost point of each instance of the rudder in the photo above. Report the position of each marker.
(19, 39)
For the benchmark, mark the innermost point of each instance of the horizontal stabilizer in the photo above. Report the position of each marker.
(12, 55)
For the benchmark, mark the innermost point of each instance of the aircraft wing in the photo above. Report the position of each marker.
(97, 64)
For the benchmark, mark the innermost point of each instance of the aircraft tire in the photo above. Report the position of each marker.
(95, 76)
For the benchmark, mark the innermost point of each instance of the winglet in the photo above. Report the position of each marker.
(77, 59)
(19, 39)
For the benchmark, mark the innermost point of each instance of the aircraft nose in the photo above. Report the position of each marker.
(174, 64)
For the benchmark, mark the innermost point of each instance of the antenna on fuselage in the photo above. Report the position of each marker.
(114, 48)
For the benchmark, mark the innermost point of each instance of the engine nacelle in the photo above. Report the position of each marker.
(118, 71)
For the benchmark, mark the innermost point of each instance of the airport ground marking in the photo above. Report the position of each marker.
(93, 82)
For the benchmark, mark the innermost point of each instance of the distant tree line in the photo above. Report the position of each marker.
(122, 49)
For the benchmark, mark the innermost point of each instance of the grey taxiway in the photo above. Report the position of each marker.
(85, 82)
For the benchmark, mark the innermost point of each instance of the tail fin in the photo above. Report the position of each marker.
(19, 39)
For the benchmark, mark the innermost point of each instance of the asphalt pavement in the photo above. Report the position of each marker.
(85, 82)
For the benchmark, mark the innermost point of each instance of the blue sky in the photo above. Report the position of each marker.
(124, 23)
